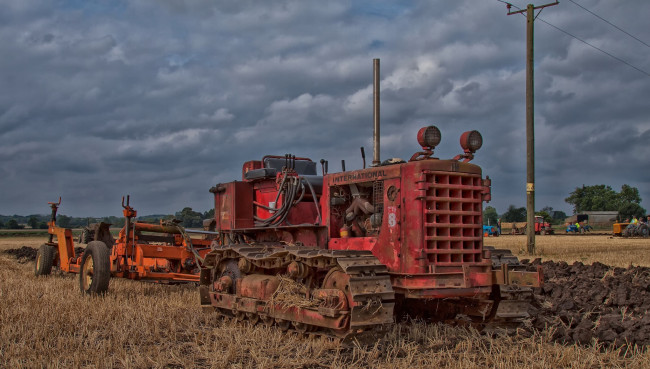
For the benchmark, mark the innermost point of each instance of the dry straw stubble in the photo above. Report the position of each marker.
(46, 322)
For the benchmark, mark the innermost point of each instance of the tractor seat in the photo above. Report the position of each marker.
(272, 166)
(303, 167)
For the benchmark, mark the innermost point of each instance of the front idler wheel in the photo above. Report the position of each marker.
(95, 270)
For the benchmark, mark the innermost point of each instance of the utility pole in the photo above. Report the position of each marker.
(530, 122)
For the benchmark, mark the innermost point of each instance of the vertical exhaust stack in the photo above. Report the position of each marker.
(375, 104)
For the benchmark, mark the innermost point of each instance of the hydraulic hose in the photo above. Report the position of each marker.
(290, 189)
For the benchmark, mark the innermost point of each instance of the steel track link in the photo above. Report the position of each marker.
(515, 302)
(369, 287)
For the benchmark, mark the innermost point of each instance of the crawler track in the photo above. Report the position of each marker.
(325, 292)
(515, 302)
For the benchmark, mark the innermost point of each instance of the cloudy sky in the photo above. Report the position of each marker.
(162, 99)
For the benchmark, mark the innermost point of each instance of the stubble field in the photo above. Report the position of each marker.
(609, 250)
(46, 322)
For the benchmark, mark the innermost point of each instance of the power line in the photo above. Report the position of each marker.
(610, 23)
(597, 48)
(583, 41)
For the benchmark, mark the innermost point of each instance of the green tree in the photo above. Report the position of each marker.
(629, 195)
(208, 214)
(63, 221)
(630, 210)
(545, 215)
(514, 214)
(558, 217)
(593, 198)
(604, 198)
(490, 216)
(2, 225)
(32, 222)
(115, 221)
(13, 224)
(42, 225)
(190, 218)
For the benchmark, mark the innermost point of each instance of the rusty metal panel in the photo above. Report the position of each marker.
(65, 248)
(504, 276)
(234, 206)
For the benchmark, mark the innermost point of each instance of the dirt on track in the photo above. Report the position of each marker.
(586, 302)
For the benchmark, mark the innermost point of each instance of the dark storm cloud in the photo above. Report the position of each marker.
(163, 99)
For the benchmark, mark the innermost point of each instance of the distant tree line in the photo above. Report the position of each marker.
(20, 222)
(187, 216)
(586, 198)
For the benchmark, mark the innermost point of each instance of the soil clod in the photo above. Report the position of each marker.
(584, 303)
(29, 253)
(24, 252)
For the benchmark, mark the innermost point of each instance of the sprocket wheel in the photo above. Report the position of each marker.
(231, 269)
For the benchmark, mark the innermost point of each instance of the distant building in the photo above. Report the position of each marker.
(595, 218)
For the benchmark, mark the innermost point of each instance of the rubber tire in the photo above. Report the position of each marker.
(86, 235)
(643, 230)
(44, 260)
(100, 256)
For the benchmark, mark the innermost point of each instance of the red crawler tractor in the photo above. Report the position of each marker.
(156, 252)
(346, 252)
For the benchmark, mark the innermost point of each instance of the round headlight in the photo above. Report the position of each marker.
(471, 140)
(429, 136)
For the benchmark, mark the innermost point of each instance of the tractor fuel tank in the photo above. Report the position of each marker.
(232, 205)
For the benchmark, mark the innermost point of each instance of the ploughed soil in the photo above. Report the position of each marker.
(24, 252)
(580, 303)
(29, 253)
(586, 302)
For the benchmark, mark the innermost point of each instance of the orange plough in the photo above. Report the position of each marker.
(163, 252)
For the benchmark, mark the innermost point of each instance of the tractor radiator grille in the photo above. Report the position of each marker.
(378, 196)
(453, 218)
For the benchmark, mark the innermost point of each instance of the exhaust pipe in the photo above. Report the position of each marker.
(375, 104)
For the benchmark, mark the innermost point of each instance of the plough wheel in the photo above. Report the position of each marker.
(44, 260)
(95, 268)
